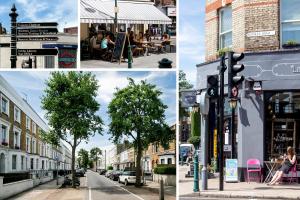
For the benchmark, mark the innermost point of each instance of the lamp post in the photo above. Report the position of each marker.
(13, 43)
(232, 104)
(116, 16)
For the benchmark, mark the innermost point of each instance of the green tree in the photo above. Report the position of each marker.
(83, 156)
(95, 154)
(195, 127)
(137, 112)
(184, 84)
(70, 103)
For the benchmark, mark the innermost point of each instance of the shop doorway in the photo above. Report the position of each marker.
(282, 123)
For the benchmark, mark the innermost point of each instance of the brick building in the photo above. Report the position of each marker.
(268, 32)
(21, 147)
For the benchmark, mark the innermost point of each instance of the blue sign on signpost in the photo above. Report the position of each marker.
(231, 170)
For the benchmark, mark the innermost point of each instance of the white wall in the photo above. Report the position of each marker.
(10, 189)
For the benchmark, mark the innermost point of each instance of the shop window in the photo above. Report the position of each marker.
(49, 62)
(290, 21)
(17, 116)
(225, 28)
(14, 162)
(4, 105)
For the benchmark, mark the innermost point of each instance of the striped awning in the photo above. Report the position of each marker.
(130, 12)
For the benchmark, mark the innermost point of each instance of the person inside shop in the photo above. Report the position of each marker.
(95, 43)
(288, 163)
(107, 47)
(147, 35)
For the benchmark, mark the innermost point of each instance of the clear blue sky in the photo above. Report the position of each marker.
(62, 11)
(33, 83)
(191, 41)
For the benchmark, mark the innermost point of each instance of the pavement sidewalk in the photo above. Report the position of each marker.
(154, 187)
(50, 191)
(237, 190)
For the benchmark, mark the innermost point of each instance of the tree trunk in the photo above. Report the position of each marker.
(138, 161)
(96, 164)
(73, 163)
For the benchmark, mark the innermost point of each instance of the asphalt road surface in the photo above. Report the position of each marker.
(101, 188)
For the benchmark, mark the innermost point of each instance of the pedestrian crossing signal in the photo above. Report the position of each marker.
(212, 86)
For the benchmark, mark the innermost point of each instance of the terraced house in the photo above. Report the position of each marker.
(21, 148)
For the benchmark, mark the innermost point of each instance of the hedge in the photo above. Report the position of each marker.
(165, 169)
(110, 168)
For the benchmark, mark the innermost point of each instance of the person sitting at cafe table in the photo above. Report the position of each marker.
(95, 43)
(288, 163)
(106, 42)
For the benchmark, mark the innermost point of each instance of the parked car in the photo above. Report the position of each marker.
(115, 175)
(107, 174)
(128, 177)
(79, 173)
(102, 171)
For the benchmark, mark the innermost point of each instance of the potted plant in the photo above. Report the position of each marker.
(290, 44)
(223, 51)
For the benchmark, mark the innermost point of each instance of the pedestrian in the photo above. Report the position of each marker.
(288, 163)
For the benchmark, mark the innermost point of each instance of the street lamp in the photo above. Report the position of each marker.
(116, 15)
(232, 104)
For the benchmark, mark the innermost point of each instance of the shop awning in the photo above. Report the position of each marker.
(97, 11)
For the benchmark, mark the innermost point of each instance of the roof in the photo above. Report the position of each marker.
(132, 12)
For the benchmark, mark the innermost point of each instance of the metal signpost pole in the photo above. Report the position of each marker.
(116, 16)
(232, 133)
(221, 124)
(13, 57)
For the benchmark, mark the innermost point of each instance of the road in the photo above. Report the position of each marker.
(99, 188)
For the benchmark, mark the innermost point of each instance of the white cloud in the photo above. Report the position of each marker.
(63, 12)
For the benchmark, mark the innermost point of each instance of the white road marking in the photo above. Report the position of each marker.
(90, 193)
(127, 191)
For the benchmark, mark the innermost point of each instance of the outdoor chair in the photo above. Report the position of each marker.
(254, 167)
(291, 177)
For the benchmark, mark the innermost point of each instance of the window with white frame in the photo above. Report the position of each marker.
(33, 128)
(17, 114)
(4, 105)
(17, 137)
(4, 133)
(28, 144)
(37, 163)
(33, 146)
(225, 27)
(14, 162)
(22, 162)
(290, 21)
(27, 123)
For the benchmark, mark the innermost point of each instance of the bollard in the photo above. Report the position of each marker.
(129, 57)
(165, 63)
(196, 173)
(161, 190)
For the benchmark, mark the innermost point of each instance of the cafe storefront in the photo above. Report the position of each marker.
(137, 15)
(268, 111)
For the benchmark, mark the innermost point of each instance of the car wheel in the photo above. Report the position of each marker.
(119, 180)
(126, 182)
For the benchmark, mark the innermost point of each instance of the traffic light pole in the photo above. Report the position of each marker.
(221, 122)
(232, 133)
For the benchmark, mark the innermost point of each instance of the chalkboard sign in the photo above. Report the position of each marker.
(119, 46)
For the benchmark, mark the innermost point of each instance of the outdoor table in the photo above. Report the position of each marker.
(272, 167)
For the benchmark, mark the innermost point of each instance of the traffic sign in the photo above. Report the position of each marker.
(30, 39)
(37, 31)
(4, 44)
(38, 24)
(37, 52)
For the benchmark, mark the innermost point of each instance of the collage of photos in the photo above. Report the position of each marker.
(149, 99)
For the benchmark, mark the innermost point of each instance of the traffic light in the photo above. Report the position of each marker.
(212, 86)
(233, 69)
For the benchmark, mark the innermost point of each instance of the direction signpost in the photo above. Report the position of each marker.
(37, 52)
(31, 39)
(37, 24)
(37, 31)
(4, 44)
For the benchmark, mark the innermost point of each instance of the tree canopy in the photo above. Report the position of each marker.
(137, 112)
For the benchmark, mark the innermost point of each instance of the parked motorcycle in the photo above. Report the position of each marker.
(68, 182)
